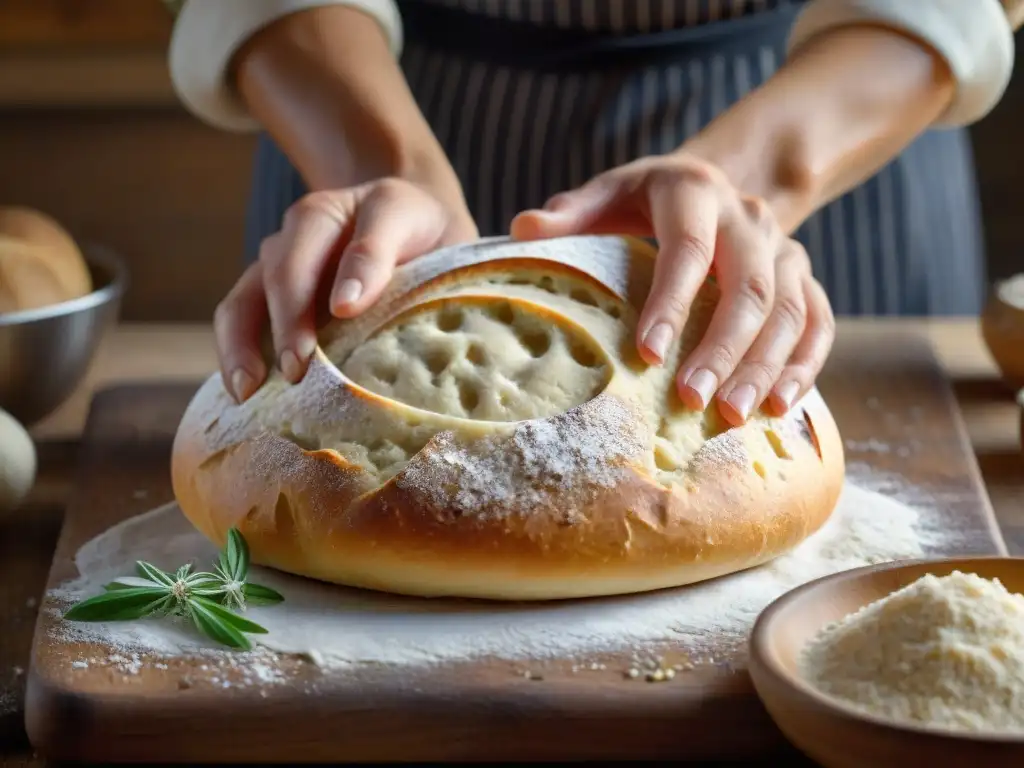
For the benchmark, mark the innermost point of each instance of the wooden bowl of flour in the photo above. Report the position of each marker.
(1002, 328)
(837, 734)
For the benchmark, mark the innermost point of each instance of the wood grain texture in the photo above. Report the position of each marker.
(30, 23)
(895, 395)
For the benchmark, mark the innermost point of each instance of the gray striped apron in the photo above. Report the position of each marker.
(533, 97)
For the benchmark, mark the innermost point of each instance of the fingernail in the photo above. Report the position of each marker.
(658, 339)
(290, 366)
(348, 291)
(293, 360)
(704, 383)
(243, 384)
(741, 399)
(787, 392)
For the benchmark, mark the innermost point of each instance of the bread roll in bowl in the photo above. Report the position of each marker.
(40, 264)
(487, 430)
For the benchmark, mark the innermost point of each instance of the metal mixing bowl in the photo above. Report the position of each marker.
(46, 352)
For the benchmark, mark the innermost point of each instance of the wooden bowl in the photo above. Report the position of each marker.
(1002, 328)
(829, 731)
(1020, 404)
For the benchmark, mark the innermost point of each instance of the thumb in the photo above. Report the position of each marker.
(393, 225)
(587, 209)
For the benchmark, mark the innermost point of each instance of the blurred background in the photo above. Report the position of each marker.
(91, 133)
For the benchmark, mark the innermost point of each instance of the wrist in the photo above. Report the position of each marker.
(325, 85)
(827, 120)
(764, 160)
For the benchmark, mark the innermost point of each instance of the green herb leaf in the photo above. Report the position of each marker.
(212, 626)
(118, 605)
(203, 580)
(205, 598)
(235, 557)
(151, 572)
(117, 585)
(240, 623)
(260, 595)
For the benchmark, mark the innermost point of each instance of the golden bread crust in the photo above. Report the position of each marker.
(623, 491)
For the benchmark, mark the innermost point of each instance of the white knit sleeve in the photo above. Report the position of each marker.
(207, 33)
(973, 36)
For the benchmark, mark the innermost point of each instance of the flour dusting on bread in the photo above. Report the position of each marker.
(539, 463)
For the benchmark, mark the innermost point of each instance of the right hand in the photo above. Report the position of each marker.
(337, 247)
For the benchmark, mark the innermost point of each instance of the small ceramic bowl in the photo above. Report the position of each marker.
(1002, 328)
(833, 733)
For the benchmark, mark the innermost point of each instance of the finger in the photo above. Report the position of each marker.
(294, 263)
(746, 276)
(811, 351)
(395, 223)
(685, 220)
(238, 323)
(594, 208)
(764, 362)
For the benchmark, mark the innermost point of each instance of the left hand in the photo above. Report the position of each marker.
(773, 328)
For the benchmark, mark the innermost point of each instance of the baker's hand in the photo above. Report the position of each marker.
(336, 249)
(773, 328)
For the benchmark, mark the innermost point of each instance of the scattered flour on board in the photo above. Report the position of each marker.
(337, 627)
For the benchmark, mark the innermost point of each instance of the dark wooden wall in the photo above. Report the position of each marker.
(91, 132)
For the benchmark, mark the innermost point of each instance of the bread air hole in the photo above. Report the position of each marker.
(775, 440)
(436, 361)
(475, 354)
(537, 343)
(503, 313)
(809, 433)
(583, 297)
(469, 398)
(386, 375)
(449, 319)
(583, 354)
(613, 311)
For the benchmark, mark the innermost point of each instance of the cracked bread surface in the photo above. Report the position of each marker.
(487, 429)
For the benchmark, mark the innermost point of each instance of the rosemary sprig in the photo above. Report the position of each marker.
(205, 598)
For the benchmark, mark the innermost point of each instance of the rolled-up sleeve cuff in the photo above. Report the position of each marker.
(207, 33)
(974, 37)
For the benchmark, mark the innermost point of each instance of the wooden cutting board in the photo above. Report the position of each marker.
(884, 392)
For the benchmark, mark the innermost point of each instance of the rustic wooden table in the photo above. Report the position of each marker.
(185, 353)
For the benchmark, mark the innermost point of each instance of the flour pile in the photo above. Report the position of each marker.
(944, 651)
(340, 627)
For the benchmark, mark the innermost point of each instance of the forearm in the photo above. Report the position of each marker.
(829, 119)
(326, 86)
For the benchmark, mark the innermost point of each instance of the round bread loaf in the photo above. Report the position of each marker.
(40, 264)
(487, 429)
